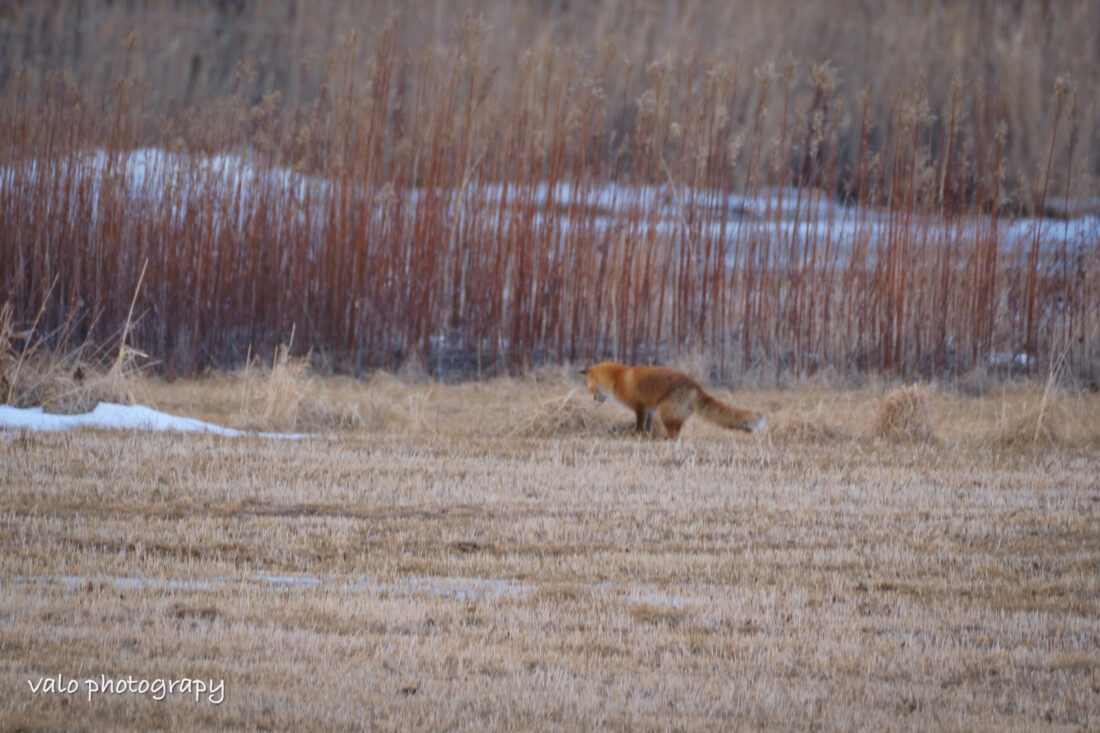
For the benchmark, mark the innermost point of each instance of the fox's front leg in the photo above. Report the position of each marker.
(643, 416)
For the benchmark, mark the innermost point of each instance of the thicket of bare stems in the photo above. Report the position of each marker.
(422, 194)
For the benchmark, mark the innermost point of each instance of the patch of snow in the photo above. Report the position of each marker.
(1021, 359)
(293, 580)
(463, 589)
(120, 582)
(109, 416)
(466, 590)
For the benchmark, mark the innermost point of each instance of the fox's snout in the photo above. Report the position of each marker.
(593, 386)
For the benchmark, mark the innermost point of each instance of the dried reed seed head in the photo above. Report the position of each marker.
(957, 81)
(825, 76)
(765, 76)
(661, 68)
(817, 131)
(647, 103)
(1064, 86)
(734, 147)
(788, 70)
(245, 71)
(573, 120)
(917, 111)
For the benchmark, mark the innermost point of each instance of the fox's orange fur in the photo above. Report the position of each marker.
(673, 394)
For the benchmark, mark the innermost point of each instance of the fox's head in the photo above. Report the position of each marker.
(594, 387)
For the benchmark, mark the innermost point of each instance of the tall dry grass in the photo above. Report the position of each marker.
(480, 194)
(286, 396)
(197, 54)
(49, 370)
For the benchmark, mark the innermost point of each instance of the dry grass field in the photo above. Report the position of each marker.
(810, 206)
(507, 555)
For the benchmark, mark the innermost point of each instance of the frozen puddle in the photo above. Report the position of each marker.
(465, 590)
(122, 583)
(109, 416)
(461, 589)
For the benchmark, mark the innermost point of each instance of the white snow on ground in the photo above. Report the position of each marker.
(465, 589)
(109, 416)
(150, 173)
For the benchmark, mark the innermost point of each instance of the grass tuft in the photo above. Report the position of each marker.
(809, 430)
(906, 414)
(288, 397)
(564, 416)
(62, 381)
(1044, 424)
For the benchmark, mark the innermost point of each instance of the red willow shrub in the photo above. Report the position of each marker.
(436, 207)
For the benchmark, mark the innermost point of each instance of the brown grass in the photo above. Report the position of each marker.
(287, 396)
(1008, 56)
(809, 429)
(1046, 421)
(458, 573)
(64, 381)
(570, 415)
(906, 413)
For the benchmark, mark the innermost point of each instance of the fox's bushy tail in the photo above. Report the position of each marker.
(722, 414)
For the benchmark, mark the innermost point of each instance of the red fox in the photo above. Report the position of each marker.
(672, 393)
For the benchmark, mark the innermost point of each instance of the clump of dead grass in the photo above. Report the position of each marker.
(815, 417)
(288, 397)
(62, 380)
(1053, 420)
(804, 429)
(392, 404)
(1047, 423)
(658, 614)
(906, 414)
(562, 416)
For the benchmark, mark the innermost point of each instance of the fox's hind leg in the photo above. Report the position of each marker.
(673, 414)
(672, 427)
